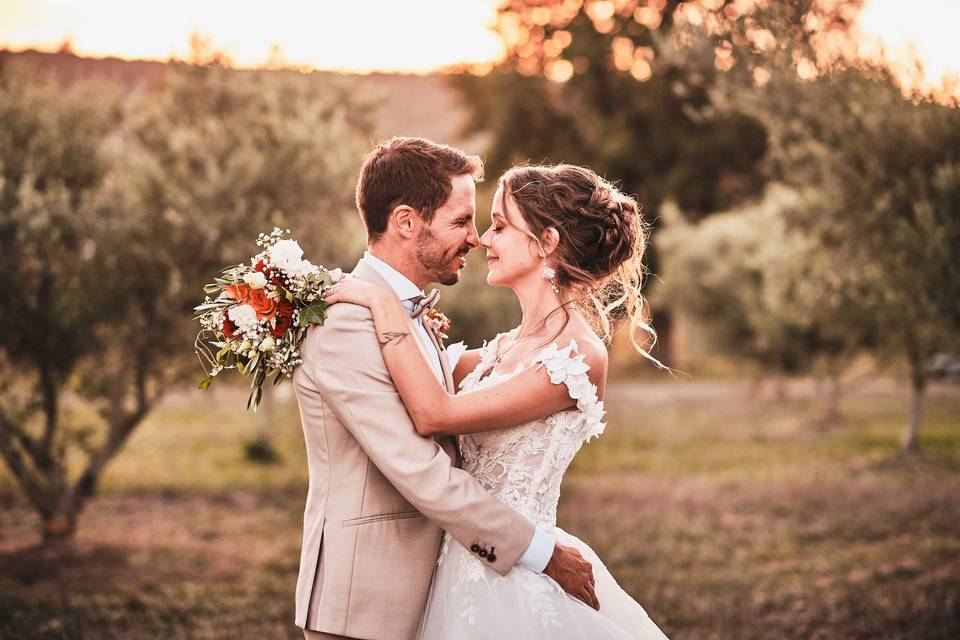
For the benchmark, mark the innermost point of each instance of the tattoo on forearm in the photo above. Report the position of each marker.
(393, 337)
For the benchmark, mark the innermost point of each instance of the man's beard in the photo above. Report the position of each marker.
(431, 257)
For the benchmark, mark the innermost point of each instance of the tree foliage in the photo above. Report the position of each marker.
(760, 288)
(115, 210)
(884, 174)
(626, 86)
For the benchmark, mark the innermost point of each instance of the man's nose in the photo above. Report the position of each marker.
(473, 237)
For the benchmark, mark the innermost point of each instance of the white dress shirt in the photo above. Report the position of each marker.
(541, 546)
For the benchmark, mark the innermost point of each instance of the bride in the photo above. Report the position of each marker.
(571, 247)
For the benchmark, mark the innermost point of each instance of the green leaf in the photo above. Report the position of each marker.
(207, 306)
(254, 400)
(316, 313)
(205, 382)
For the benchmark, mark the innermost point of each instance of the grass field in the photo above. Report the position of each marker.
(727, 515)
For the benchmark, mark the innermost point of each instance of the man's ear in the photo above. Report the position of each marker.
(550, 239)
(405, 221)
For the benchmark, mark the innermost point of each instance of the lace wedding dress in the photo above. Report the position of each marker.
(524, 466)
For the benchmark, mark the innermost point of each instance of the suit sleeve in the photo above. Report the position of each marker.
(345, 363)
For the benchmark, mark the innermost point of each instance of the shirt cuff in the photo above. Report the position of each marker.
(538, 552)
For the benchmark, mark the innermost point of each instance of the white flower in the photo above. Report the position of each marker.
(336, 274)
(301, 268)
(244, 316)
(267, 344)
(255, 279)
(286, 255)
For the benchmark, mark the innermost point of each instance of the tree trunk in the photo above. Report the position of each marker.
(59, 526)
(261, 448)
(831, 414)
(781, 388)
(918, 385)
(667, 347)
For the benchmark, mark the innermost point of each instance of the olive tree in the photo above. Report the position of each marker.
(883, 170)
(115, 210)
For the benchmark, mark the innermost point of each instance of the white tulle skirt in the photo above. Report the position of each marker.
(469, 600)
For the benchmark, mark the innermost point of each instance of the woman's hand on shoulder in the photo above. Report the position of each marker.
(355, 291)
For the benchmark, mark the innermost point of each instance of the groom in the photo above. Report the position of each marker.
(380, 495)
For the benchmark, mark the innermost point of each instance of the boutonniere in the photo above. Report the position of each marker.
(438, 322)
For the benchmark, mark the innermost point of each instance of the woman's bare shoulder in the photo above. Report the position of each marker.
(590, 346)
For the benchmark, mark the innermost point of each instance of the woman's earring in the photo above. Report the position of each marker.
(551, 275)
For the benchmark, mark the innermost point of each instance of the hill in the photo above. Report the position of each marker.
(409, 105)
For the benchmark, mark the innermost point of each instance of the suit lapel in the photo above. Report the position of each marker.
(367, 273)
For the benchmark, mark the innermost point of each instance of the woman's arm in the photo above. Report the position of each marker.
(520, 398)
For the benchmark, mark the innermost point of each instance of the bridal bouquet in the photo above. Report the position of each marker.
(261, 313)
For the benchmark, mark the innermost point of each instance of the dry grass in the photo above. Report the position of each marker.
(726, 515)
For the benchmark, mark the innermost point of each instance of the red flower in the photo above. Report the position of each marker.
(284, 322)
(273, 275)
(229, 328)
(285, 307)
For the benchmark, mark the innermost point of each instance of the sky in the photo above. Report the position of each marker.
(368, 35)
(926, 27)
(358, 35)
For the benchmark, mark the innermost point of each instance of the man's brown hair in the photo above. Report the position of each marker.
(411, 171)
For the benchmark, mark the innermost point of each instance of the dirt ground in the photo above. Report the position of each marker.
(727, 511)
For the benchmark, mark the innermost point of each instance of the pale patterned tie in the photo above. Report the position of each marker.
(423, 304)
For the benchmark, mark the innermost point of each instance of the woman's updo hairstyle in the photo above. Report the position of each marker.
(603, 238)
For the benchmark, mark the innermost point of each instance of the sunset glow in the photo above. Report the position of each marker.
(384, 35)
(359, 36)
(923, 30)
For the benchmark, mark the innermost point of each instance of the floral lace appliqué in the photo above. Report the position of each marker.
(565, 368)
(524, 465)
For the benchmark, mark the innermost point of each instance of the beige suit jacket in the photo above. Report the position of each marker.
(379, 494)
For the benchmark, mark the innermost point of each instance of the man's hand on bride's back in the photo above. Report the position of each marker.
(355, 291)
(573, 573)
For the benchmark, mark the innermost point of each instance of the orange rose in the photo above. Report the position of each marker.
(239, 291)
(264, 306)
(256, 298)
